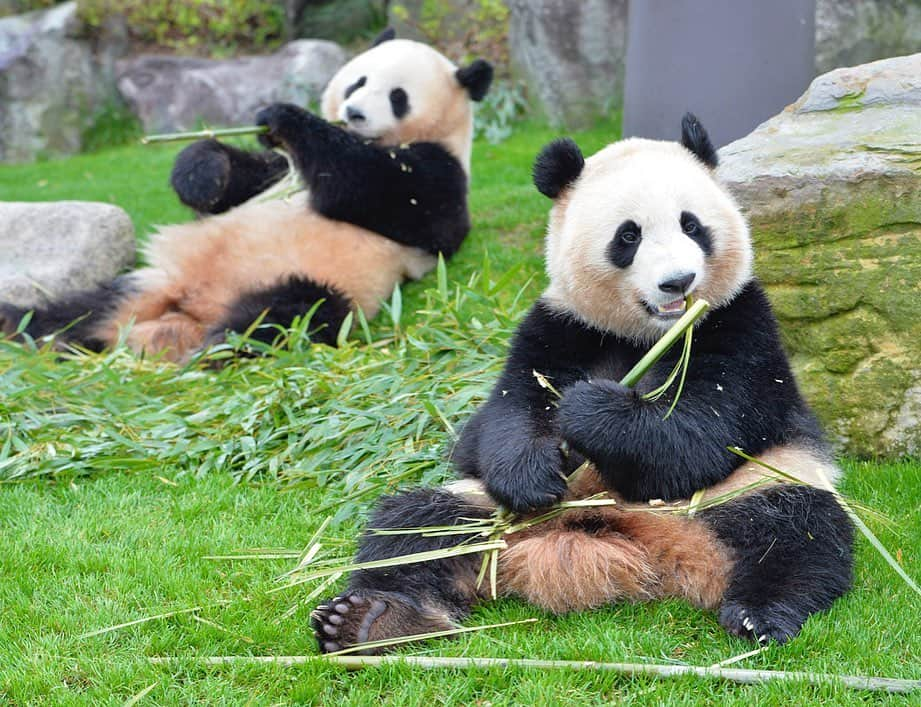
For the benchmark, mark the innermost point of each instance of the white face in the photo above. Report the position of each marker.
(644, 226)
(399, 91)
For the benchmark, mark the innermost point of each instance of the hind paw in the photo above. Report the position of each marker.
(345, 621)
(10, 317)
(778, 622)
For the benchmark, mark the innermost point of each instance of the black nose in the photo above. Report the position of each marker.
(353, 115)
(677, 284)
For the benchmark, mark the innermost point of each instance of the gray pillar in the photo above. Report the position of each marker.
(734, 63)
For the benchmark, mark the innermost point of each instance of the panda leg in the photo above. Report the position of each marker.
(77, 317)
(793, 557)
(405, 600)
(278, 306)
(212, 177)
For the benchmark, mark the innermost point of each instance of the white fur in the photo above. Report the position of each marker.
(649, 182)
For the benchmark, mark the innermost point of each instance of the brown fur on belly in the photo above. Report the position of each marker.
(589, 557)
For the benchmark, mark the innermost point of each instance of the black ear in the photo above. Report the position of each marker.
(695, 138)
(385, 36)
(476, 78)
(557, 166)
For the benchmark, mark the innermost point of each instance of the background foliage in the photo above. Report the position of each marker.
(188, 24)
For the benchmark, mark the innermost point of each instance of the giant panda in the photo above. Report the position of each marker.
(634, 230)
(386, 192)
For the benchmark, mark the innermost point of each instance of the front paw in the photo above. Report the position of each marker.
(526, 478)
(201, 174)
(282, 121)
(589, 408)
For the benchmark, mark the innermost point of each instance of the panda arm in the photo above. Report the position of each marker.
(739, 391)
(513, 443)
(414, 194)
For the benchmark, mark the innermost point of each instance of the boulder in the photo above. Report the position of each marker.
(48, 249)
(571, 56)
(850, 32)
(170, 93)
(52, 81)
(832, 187)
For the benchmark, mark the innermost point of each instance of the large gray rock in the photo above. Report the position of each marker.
(832, 187)
(51, 83)
(571, 55)
(48, 249)
(171, 93)
(851, 32)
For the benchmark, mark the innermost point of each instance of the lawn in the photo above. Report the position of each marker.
(122, 477)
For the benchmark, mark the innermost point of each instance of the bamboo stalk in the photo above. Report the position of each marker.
(203, 134)
(856, 682)
(695, 312)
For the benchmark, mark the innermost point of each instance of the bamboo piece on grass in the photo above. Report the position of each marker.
(855, 682)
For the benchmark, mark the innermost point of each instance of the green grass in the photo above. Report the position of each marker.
(123, 474)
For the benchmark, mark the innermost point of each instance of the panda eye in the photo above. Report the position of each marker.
(690, 227)
(629, 237)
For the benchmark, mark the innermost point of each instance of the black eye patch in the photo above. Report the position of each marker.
(355, 86)
(623, 246)
(696, 231)
(399, 102)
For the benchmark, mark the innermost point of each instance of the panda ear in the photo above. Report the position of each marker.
(385, 36)
(695, 138)
(476, 78)
(557, 166)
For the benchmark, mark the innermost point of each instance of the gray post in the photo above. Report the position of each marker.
(734, 63)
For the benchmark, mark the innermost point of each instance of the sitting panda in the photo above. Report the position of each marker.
(385, 194)
(633, 231)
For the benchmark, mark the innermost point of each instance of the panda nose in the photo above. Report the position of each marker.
(677, 284)
(353, 115)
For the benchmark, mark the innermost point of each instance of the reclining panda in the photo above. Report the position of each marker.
(633, 231)
(385, 195)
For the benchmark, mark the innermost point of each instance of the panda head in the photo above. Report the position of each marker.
(402, 91)
(638, 227)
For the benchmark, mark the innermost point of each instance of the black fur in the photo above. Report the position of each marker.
(739, 391)
(623, 246)
(385, 36)
(557, 166)
(414, 194)
(695, 138)
(476, 78)
(71, 318)
(212, 177)
(793, 558)
(281, 303)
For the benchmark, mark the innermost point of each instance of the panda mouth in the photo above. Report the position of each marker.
(669, 310)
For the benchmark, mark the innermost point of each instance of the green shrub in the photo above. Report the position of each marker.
(190, 25)
(17, 7)
(112, 124)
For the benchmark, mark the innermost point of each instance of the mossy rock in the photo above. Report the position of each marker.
(832, 189)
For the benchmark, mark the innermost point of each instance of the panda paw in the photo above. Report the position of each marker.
(345, 621)
(283, 121)
(528, 478)
(362, 616)
(775, 621)
(10, 317)
(587, 408)
(201, 174)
